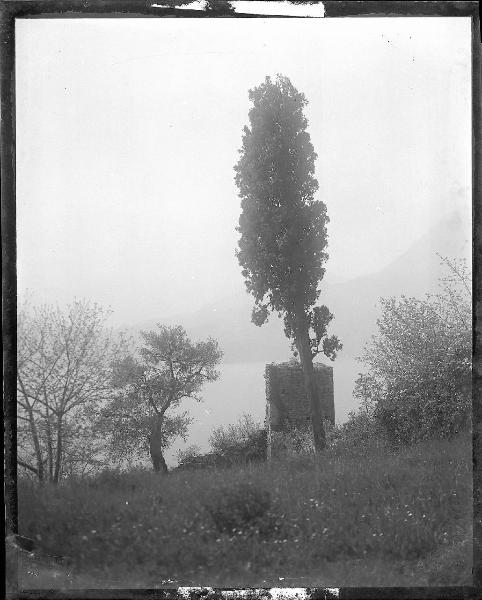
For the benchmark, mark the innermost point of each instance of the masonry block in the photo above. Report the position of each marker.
(287, 405)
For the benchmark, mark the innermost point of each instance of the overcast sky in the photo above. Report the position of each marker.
(128, 130)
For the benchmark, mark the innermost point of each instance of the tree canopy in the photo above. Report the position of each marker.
(150, 385)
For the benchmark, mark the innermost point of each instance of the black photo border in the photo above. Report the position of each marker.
(64, 9)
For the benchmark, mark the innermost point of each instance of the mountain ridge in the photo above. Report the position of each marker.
(354, 303)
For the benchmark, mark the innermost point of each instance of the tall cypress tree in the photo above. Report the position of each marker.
(282, 246)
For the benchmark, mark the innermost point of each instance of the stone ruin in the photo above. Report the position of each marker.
(287, 406)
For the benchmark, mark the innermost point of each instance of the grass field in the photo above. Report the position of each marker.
(392, 519)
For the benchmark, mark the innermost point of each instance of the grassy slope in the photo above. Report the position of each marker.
(393, 519)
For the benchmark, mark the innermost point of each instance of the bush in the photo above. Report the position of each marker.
(246, 429)
(417, 383)
(409, 418)
(359, 434)
(241, 443)
(109, 478)
(295, 441)
(209, 460)
(238, 444)
(238, 508)
(188, 456)
(298, 441)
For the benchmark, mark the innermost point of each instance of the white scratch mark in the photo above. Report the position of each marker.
(285, 593)
(186, 591)
(235, 594)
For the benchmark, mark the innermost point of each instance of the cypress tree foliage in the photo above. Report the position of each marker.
(282, 246)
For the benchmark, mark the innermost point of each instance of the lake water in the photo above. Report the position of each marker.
(241, 389)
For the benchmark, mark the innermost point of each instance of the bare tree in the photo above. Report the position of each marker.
(63, 375)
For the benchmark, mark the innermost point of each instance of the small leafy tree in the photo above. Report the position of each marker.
(150, 386)
(282, 247)
(63, 374)
(418, 379)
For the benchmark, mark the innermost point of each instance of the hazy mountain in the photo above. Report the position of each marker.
(354, 302)
(415, 273)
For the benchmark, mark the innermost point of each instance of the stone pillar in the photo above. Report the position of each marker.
(287, 405)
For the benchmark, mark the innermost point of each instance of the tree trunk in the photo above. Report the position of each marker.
(50, 451)
(36, 444)
(311, 388)
(155, 447)
(59, 449)
(33, 429)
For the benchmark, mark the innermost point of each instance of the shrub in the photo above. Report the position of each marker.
(298, 441)
(109, 478)
(359, 434)
(201, 461)
(239, 507)
(188, 456)
(406, 418)
(291, 442)
(418, 367)
(238, 434)
(241, 443)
